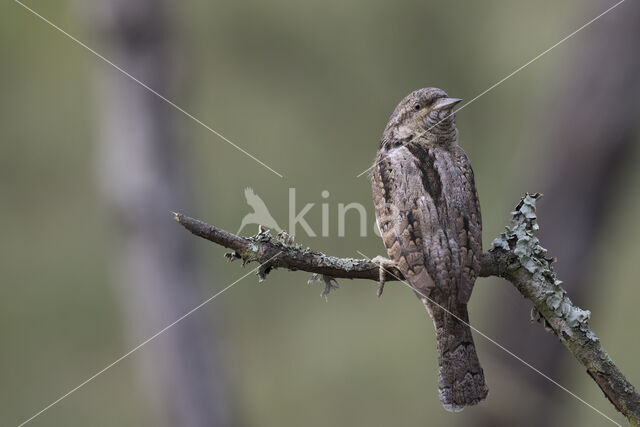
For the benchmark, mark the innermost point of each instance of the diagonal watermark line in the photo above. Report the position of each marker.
(514, 72)
(491, 340)
(153, 91)
(139, 346)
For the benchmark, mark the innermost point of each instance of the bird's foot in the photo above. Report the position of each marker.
(384, 264)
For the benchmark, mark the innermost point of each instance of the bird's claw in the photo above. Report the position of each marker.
(384, 264)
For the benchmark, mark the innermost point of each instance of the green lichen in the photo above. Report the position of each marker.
(330, 284)
(284, 242)
(253, 251)
(264, 235)
(520, 239)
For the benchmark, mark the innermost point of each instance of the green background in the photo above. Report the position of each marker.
(306, 87)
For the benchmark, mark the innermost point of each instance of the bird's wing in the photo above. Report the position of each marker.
(468, 224)
(248, 193)
(254, 200)
(406, 196)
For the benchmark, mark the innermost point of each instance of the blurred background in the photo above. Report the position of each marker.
(91, 163)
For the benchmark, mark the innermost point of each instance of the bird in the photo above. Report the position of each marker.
(428, 213)
(260, 214)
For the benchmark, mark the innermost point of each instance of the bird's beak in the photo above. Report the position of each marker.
(445, 103)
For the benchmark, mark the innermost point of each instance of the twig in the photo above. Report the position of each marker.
(516, 256)
(263, 246)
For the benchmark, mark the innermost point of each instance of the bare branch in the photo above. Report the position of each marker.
(263, 246)
(516, 256)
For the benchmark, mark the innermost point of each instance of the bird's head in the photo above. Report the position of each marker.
(426, 114)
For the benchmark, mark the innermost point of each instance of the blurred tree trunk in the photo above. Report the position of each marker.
(592, 121)
(143, 173)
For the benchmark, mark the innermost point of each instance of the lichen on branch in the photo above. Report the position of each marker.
(520, 240)
(516, 255)
(524, 262)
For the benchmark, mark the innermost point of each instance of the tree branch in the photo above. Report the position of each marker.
(516, 256)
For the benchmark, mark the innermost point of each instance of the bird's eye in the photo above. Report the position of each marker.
(416, 107)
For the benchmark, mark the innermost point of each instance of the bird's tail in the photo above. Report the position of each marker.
(460, 377)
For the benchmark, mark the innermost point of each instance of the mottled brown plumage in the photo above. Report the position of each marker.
(429, 216)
